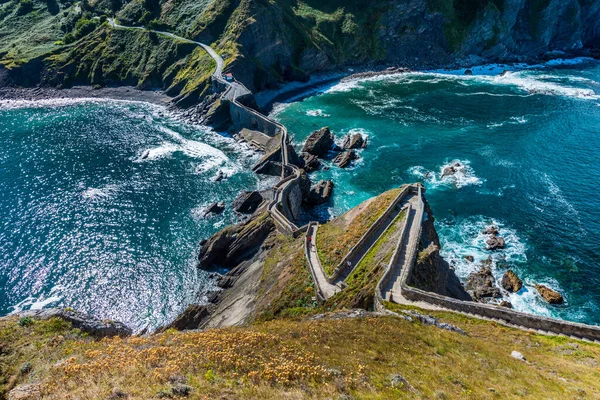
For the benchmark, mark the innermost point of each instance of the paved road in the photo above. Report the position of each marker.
(327, 289)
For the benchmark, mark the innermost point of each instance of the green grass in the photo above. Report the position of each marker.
(336, 238)
(364, 278)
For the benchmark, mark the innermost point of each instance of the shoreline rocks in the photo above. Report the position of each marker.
(511, 282)
(551, 296)
(320, 142)
(247, 202)
(214, 208)
(495, 241)
(354, 141)
(452, 169)
(481, 284)
(320, 193)
(344, 159)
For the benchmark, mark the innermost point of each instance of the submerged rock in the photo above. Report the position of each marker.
(247, 202)
(468, 72)
(511, 282)
(319, 143)
(344, 159)
(506, 304)
(452, 169)
(549, 295)
(491, 230)
(354, 141)
(469, 258)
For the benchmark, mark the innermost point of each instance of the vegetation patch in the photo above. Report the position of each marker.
(337, 237)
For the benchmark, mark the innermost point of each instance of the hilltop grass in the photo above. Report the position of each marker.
(326, 358)
(336, 238)
(363, 280)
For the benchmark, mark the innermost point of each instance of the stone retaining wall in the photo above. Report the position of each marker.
(367, 235)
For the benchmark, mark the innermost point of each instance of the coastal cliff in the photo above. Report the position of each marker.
(267, 43)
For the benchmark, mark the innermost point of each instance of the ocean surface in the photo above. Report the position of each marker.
(530, 143)
(101, 207)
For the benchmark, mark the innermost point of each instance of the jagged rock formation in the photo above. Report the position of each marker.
(431, 271)
(235, 243)
(511, 282)
(191, 318)
(354, 141)
(481, 284)
(247, 202)
(319, 143)
(549, 295)
(320, 193)
(345, 159)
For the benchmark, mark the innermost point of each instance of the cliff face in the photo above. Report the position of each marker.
(268, 42)
(431, 272)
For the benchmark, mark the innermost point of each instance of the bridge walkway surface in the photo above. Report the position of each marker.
(393, 283)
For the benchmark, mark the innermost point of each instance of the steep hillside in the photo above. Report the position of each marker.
(268, 42)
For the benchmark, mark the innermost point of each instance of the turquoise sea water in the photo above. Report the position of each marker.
(530, 141)
(100, 207)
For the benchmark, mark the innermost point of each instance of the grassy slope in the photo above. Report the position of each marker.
(335, 239)
(303, 359)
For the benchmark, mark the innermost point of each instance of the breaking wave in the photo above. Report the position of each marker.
(456, 173)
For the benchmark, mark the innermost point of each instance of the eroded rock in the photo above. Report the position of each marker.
(511, 282)
(191, 318)
(481, 284)
(310, 162)
(320, 193)
(247, 202)
(214, 208)
(344, 159)
(354, 141)
(319, 143)
(551, 296)
(495, 243)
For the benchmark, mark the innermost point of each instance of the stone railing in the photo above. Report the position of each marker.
(343, 265)
(319, 294)
(388, 273)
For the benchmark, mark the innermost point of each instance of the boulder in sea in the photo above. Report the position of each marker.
(220, 176)
(247, 202)
(468, 72)
(495, 243)
(319, 143)
(214, 208)
(490, 230)
(310, 162)
(506, 304)
(452, 169)
(320, 193)
(480, 284)
(344, 159)
(469, 258)
(354, 141)
(549, 295)
(511, 282)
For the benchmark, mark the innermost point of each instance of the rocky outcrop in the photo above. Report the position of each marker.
(431, 272)
(214, 208)
(319, 143)
(495, 243)
(27, 391)
(310, 162)
(481, 284)
(191, 318)
(511, 282)
(320, 193)
(354, 141)
(549, 295)
(235, 243)
(490, 230)
(345, 159)
(452, 169)
(84, 322)
(247, 202)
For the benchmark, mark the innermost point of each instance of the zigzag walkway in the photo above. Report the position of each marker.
(392, 285)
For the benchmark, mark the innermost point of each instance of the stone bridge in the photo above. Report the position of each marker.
(392, 285)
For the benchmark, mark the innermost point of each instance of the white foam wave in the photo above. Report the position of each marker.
(37, 303)
(63, 102)
(102, 193)
(317, 113)
(463, 175)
